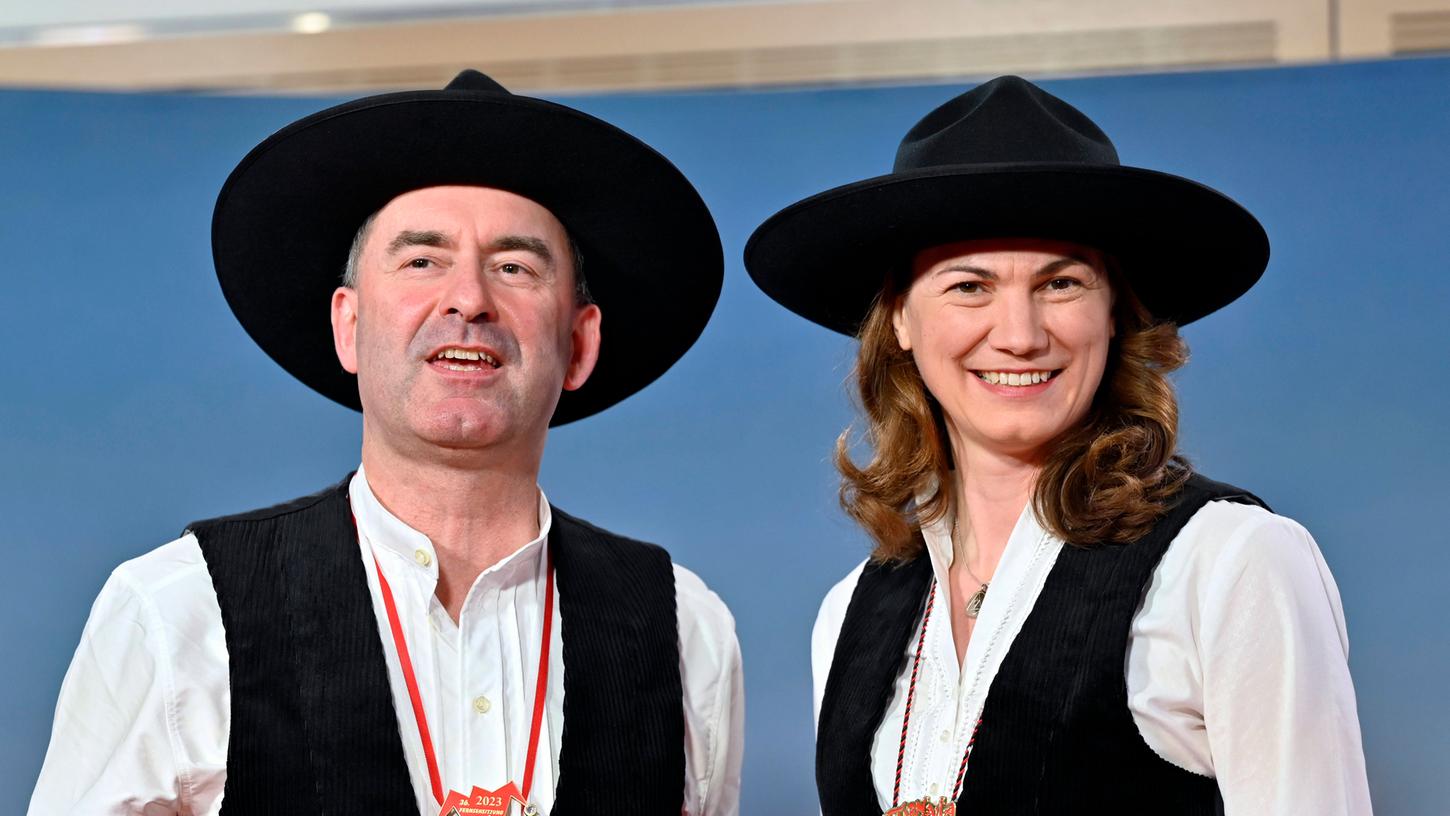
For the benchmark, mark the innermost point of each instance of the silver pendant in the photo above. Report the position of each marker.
(974, 603)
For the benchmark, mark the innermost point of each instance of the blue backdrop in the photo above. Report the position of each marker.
(134, 403)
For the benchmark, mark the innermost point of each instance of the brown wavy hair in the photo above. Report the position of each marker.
(1105, 480)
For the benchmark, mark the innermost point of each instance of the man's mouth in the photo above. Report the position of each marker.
(461, 359)
(1016, 378)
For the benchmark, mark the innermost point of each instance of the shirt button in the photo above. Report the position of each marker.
(481, 704)
(422, 557)
(946, 736)
(933, 789)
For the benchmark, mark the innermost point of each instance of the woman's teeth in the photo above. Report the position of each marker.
(1015, 378)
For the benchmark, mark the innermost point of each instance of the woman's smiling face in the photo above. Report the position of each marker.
(1011, 337)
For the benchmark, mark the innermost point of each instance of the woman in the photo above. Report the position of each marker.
(1059, 615)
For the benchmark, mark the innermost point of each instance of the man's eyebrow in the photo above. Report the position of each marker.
(526, 243)
(410, 238)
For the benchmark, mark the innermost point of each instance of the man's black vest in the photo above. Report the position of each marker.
(313, 729)
(1056, 734)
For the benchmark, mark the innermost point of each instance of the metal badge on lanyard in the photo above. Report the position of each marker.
(925, 807)
(482, 802)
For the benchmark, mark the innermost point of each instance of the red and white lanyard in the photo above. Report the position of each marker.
(924, 806)
(540, 688)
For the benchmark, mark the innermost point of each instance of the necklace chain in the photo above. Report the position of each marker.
(974, 602)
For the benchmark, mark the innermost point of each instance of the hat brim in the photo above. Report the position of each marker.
(1185, 249)
(286, 217)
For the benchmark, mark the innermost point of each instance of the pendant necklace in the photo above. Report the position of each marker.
(974, 603)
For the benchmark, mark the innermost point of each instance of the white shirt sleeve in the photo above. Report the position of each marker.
(1278, 703)
(723, 797)
(714, 698)
(111, 747)
(130, 736)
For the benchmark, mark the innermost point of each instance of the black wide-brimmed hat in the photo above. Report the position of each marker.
(1008, 160)
(286, 217)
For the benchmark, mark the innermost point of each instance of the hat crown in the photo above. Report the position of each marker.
(470, 80)
(1005, 121)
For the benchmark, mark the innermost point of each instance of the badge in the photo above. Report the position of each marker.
(480, 802)
(925, 807)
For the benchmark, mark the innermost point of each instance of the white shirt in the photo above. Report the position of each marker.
(1237, 665)
(144, 713)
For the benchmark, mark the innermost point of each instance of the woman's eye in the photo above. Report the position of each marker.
(1063, 284)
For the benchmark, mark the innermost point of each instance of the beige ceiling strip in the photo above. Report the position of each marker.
(701, 46)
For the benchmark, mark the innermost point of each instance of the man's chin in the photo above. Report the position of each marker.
(463, 429)
(469, 425)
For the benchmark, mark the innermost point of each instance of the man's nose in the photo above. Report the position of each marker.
(1018, 329)
(468, 296)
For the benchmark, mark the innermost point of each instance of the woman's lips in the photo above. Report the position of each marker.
(1017, 383)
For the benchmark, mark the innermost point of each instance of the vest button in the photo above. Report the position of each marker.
(422, 557)
(481, 704)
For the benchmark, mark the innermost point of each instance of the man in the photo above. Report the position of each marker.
(429, 635)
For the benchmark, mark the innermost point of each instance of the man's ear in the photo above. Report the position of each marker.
(584, 342)
(344, 327)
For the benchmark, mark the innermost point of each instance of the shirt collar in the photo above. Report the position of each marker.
(938, 537)
(385, 531)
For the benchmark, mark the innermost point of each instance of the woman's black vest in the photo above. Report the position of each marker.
(1056, 735)
(313, 730)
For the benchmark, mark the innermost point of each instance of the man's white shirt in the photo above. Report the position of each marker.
(1236, 667)
(144, 713)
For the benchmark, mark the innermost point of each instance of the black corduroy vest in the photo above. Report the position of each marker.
(1056, 735)
(313, 728)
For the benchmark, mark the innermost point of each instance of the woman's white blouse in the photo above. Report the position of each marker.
(1237, 665)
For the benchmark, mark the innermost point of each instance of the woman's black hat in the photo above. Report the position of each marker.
(286, 217)
(1008, 160)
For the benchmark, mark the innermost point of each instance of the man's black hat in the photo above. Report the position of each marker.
(286, 217)
(1008, 160)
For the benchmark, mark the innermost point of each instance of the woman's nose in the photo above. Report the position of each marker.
(1018, 329)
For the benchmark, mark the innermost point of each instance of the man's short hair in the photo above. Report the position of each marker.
(582, 297)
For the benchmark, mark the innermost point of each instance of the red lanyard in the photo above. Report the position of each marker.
(906, 718)
(412, 681)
